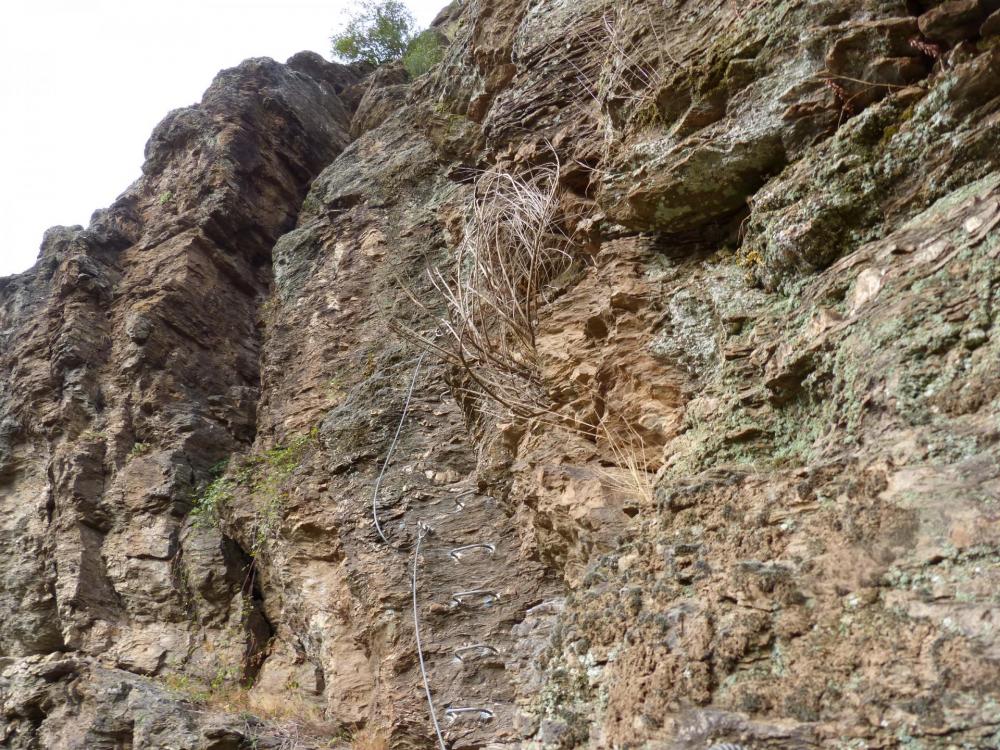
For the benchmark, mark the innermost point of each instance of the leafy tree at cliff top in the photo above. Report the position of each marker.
(377, 32)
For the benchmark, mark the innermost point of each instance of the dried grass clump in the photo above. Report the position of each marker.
(276, 707)
(511, 250)
(503, 272)
(295, 722)
(629, 473)
(370, 739)
(501, 275)
(625, 83)
(625, 76)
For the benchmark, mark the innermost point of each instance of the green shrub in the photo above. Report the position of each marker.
(378, 32)
(214, 496)
(423, 52)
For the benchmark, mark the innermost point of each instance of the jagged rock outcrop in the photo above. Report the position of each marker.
(755, 506)
(131, 361)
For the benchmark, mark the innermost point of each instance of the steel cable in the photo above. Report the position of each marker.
(416, 629)
(392, 447)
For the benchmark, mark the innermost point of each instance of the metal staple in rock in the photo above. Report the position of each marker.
(456, 554)
(482, 713)
(477, 650)
(487, 597)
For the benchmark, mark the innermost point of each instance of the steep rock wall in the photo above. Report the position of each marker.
(759, 509)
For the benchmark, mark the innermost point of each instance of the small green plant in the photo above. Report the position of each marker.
(214, 496)
(139, 449)
(377, 32)
(260, 475)
(166, 197)
(274, 467)
(187, 688)
(223, 678)
(422, 53)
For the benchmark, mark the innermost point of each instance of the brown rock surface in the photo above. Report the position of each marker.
(757, 506)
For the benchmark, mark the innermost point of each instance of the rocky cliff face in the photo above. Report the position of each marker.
(724, 474)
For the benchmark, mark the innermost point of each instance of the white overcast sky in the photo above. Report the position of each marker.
(84, 82)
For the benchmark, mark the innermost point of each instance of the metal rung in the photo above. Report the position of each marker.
(476, 651)
(483, 714)
(486, 597)
(456, 554)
